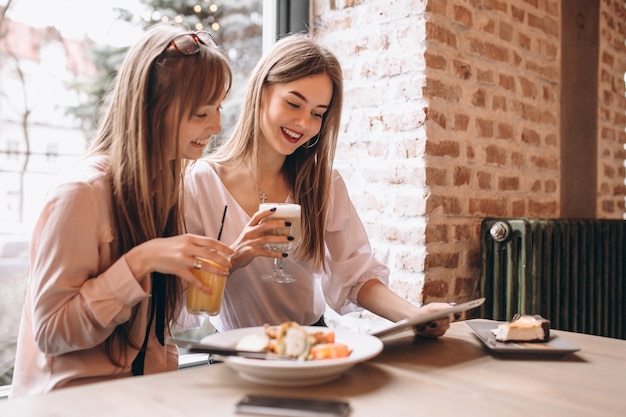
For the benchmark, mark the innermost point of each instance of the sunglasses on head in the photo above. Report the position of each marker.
(189, 43)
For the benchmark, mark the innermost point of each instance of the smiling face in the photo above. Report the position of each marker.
(195, 131)
(292, 113)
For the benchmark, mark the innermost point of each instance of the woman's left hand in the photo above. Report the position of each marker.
(435, 328)
(252, 240)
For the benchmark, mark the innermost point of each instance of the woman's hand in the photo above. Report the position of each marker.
(177, 255)
(379, 299)
(252, 240)
(435, 328)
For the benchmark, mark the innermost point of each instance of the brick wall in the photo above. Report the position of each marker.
(452, 114)
(612, 104)
(383, 141)
(493, 138)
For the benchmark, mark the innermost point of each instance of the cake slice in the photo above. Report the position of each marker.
(524, 328)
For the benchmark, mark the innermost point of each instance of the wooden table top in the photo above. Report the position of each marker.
(451, 376)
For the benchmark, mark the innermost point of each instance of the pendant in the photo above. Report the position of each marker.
(262, 196)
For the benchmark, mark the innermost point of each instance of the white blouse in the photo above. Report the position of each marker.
(249, 301)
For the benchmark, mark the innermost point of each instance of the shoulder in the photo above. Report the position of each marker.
(87, 179)
(201, 167)
(86, 173)
(202, 174)
(84, 188)
(337, 182)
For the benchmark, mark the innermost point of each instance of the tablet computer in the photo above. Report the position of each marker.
(427, 318)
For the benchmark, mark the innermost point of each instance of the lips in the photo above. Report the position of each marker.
(201, 142)
(290, 135)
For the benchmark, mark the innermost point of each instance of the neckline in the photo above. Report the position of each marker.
(216, 167)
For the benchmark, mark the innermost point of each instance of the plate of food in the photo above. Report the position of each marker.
(523, 336)
(298, 355)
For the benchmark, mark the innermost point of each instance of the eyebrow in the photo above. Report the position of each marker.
(297, 94)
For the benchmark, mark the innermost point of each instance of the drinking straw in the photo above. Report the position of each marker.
(219, 234)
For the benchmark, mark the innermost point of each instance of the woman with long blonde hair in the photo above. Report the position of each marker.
(282, 150)
(110, 258)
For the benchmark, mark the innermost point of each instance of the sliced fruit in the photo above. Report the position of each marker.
(330, 351)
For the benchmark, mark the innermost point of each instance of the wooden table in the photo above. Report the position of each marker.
(450, 376)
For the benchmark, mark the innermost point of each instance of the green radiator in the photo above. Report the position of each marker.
(570, 271)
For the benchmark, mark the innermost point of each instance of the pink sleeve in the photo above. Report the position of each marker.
(79, 293)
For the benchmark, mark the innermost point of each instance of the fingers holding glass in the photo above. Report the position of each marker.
(197, 264)
(290, 214)
(200, 302)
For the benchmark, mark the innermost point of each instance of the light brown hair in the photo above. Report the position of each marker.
(309, 168)
(145, 180)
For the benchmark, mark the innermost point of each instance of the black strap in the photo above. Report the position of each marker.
(320, 322)
(159, 291)
(157, 303)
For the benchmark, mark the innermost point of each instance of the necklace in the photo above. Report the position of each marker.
(262, 195)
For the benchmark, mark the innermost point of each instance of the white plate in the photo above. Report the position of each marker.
(297, 373)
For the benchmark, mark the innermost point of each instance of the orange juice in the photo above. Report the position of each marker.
(200, 302)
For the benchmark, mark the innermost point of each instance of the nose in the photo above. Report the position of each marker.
(303, 119)
(214, 125)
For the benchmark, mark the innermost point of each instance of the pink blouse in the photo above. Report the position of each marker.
(77, 292)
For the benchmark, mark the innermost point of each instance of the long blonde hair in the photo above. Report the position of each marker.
(308, 170)
(145, 180)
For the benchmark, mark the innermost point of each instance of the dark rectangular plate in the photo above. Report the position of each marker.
(556, 346)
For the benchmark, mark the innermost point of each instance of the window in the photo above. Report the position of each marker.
(55, 142)
(52, 152)
(54, 145)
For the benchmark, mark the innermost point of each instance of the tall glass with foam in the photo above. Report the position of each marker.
(291, 213)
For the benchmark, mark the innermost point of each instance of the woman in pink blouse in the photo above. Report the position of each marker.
(109, 256)
(282, 150)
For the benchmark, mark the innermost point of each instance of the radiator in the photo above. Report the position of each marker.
(570, 271)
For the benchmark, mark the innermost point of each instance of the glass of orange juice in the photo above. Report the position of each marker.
(199, 302)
